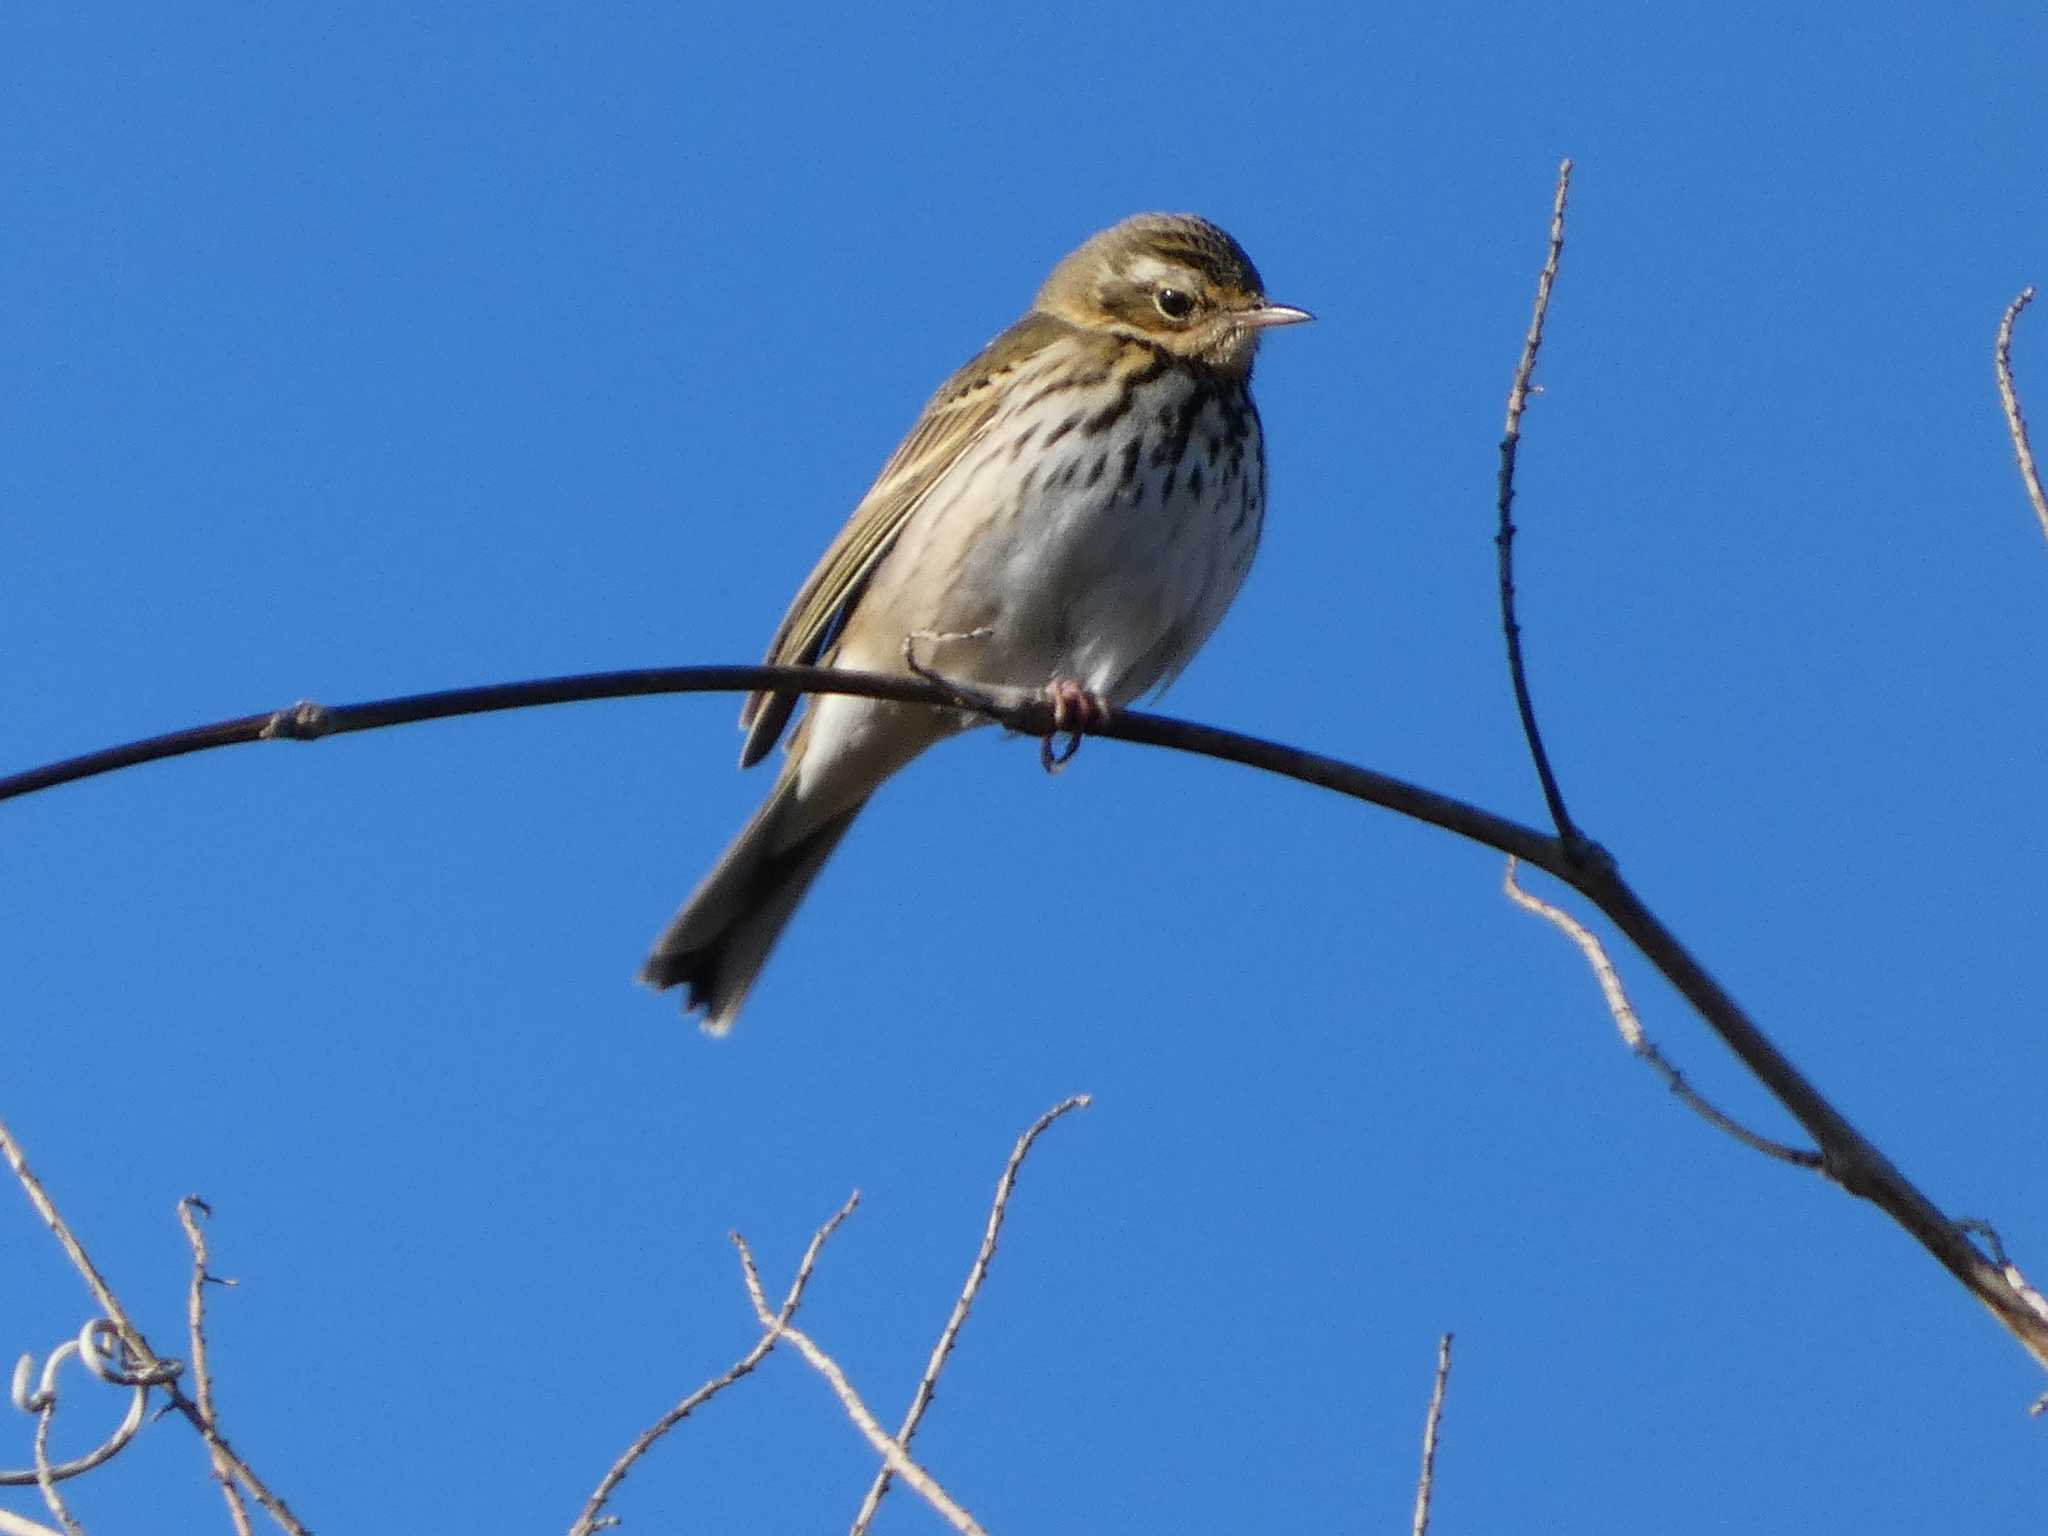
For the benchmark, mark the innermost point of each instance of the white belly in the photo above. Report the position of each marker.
(1102, 556)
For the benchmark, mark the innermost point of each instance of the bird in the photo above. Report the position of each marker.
(1073, 511)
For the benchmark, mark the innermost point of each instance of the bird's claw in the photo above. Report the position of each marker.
(1075, 712)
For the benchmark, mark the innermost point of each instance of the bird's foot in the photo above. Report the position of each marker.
(1075, 712)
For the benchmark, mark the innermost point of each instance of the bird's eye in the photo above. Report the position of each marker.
(1174, 304)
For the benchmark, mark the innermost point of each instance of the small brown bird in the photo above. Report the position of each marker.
(1074, 510)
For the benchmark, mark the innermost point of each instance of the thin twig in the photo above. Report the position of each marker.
(1632, 1036)
(899, 1459)
(1425, 1484)
(1504, 537)
(190, 1209)
(978, 1272)
(1848, 1157)
(45, 1478)
(2009, 398)
(608, 1484)
(102, 1293)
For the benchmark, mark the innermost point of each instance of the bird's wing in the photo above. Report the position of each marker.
(957, 415)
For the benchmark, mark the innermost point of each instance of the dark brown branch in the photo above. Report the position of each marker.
(1849, 1159)
(1846, 1156)
(1504, 538)
(1028, 713)
(2009, 399)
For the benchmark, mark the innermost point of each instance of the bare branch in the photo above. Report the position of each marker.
(588, 1521)
(1631, 1028)
(1425, 1484)
(2008, 397)
(1504, 538)
(1846, 1156)
(928, 1384)
(898, 1459)
(190, 1209)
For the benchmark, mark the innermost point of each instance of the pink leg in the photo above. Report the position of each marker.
(1075, 712)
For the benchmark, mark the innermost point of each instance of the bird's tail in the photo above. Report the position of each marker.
(718, 943)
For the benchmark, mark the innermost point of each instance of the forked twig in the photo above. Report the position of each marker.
(1425, 1483)
(588, 1521)
(928, 1383)
(899, 1459)
(2009, 398)
(1631, 1028)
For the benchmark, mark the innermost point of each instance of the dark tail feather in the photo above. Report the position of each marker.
(718, 943)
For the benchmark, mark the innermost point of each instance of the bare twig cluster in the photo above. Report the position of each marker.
(115, 1349)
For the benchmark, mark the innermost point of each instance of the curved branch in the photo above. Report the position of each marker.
(1021, 710)
(1847, 1158)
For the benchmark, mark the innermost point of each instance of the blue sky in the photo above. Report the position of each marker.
(355, 352)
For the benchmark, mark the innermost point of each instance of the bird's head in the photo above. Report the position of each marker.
(1173, 280)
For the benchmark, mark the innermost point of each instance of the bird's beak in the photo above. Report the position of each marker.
(1274, 314)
